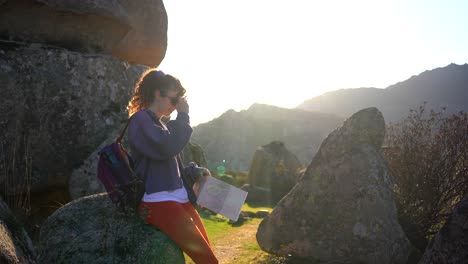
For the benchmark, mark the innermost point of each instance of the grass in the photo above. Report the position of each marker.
(255, 208)
(219, 230)
(216, 226)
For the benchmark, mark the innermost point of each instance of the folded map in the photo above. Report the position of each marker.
(221, 198)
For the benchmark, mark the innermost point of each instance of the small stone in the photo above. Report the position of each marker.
(262, 213)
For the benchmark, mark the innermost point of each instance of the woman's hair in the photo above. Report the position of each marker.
(151, 81)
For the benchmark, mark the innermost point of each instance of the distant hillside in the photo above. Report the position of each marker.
(234, 136)
(447, 86)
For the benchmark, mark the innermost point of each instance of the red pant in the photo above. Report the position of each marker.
(181, 222)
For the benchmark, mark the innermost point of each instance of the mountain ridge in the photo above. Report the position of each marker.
(440, 87)
(234, 136)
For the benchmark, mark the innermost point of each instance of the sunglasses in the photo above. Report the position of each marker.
(174, 100)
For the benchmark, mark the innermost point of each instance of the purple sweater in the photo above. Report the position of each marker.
(155, 149)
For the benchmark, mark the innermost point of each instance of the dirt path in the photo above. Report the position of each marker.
(236, 244)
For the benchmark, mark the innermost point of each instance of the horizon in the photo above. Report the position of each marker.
(228, 56)
(331, 91)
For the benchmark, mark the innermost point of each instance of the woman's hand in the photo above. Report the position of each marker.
(182, 105)
(204, 173)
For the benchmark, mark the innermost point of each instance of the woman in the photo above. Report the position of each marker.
(168, 202)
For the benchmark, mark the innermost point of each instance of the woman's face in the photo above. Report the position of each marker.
(166, 104)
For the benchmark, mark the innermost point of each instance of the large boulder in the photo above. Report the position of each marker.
(132, 30)
(275, 168)
(194, 152)
(450, 245)
(57, 106)
(257, 194)
(92, 230)
(83, 180)
(342, 209)
(15, 245)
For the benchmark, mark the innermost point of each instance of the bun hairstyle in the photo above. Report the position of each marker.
(151, 81)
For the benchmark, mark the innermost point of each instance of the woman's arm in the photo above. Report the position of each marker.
(196, 172)
(196, 175)
(156, 142)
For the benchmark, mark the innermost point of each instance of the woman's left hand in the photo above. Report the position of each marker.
(204, 173)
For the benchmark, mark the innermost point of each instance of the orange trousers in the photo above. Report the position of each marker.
(182, 223)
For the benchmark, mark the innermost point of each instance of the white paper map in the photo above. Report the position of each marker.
(221, 198)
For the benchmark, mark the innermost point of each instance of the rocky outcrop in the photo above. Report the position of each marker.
(450, 245)
(91, 230)
(342, 209)
(257, 194)
(83, 180)
(56, 107)
(15, 245)
(132, 30)
(274, 167)
(194, 152)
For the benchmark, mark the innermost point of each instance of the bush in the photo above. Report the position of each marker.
(427, 153)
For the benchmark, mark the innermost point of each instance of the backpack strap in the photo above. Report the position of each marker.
(119, 139)
(152, 117)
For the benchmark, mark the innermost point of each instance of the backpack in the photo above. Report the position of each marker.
(116, 172)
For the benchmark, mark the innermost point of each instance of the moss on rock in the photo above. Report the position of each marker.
(92, 230)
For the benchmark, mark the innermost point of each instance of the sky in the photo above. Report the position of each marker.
(229, 54)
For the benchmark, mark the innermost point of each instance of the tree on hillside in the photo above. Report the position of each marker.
(428, 155)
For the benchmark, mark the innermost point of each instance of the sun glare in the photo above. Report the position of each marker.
(231, 54)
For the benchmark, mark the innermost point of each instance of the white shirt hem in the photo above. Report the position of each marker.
(178, 195)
